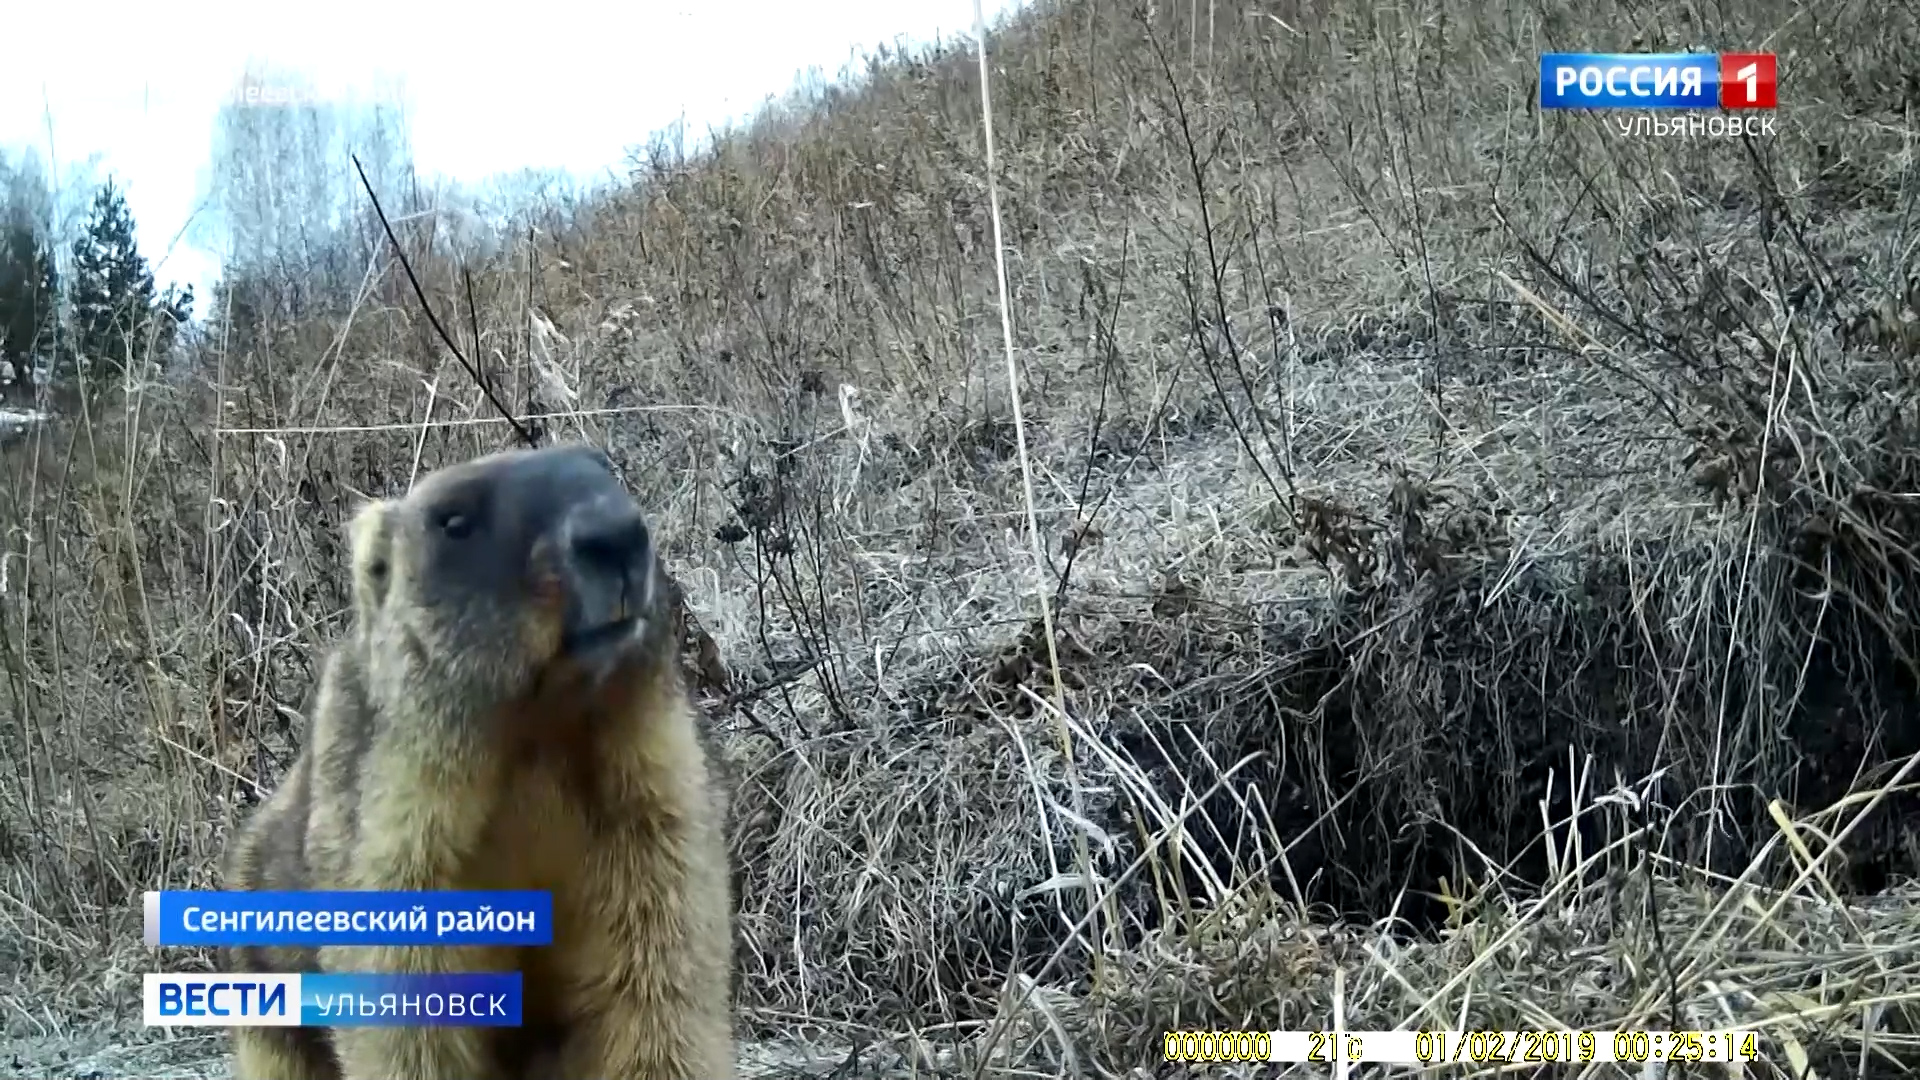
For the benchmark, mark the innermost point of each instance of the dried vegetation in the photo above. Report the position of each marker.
(1483, 544)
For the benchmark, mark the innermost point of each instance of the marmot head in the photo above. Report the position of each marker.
(501, 577)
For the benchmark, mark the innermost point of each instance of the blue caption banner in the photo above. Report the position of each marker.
(225, 918)
(1629, 81)
(351, 999)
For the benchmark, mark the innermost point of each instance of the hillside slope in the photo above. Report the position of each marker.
(1464, 524)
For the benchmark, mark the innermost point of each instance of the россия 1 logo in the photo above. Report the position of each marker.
(1658, 81)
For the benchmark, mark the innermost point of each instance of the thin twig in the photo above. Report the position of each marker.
(526, 435)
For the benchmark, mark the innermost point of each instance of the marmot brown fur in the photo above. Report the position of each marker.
(508, 713)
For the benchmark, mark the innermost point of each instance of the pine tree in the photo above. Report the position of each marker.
(113, 300)
(176, 303)
(29, 287)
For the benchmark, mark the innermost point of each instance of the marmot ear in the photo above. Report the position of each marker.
(370, 538)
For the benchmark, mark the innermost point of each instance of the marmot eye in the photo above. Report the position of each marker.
(456, 525)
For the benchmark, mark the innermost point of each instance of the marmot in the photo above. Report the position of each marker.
(508, 713)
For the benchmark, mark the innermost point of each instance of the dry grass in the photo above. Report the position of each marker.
(1483, 546)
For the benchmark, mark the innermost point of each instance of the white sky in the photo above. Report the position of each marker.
(567, 84)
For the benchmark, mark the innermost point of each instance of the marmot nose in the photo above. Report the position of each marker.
(609, 538)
